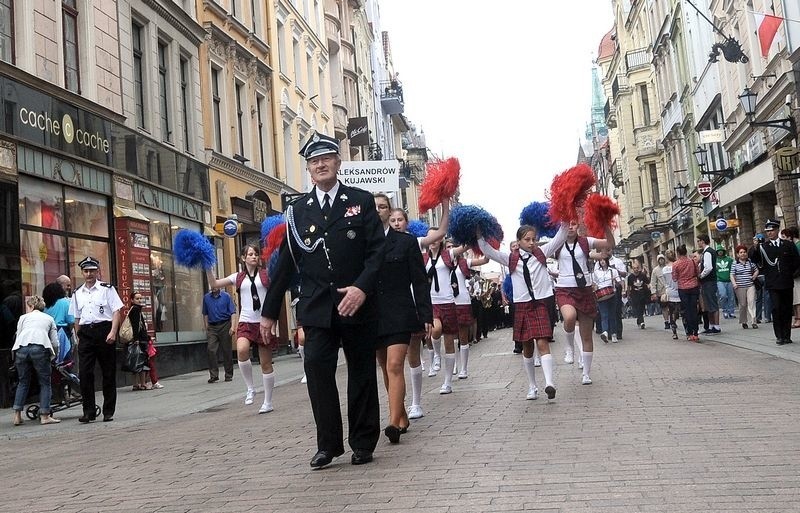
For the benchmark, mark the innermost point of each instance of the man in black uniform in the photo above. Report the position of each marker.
(778, 260)
(335, 240)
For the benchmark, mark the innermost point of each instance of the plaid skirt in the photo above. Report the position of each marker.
(446, 313)
(582, 298)
(531, 321)
(464, 315)
(252, 332)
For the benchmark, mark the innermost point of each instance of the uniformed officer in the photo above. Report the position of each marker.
(96, 307)
(778, 260)
(336, 242)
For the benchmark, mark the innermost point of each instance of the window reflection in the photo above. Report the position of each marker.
(162, 280)
(40, 204)
(43, 259)
(86, 213)
(81, 248)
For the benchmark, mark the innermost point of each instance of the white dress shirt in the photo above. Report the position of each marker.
(94, 304)
(566, 274)
(331, 194)
(540, 278)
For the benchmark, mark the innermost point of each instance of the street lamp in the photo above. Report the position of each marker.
(701, 155)
(680, 193)
(653, 215)
(749, 100)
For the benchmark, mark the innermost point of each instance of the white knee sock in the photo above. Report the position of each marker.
(570, 341)
(269, 385)
(246, 368)
(464, 357)
(430, 357)
(449, 363)
(437, 347)
(547, 368)
(587, 362)
(530, 370)
(416, 385)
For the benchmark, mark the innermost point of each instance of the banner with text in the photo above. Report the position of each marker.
(371, 175)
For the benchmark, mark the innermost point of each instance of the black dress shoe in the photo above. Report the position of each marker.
(213, 380)
(392, 433)
(323, 458)
(361, 456)
(108, 418)
(83, 419)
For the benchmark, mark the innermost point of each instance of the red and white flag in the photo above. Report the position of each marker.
(767, 28)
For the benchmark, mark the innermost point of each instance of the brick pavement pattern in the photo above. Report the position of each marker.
(667, 426)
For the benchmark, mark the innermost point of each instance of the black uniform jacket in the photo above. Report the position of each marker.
(402, 268)
(354, 239)
(786, 257)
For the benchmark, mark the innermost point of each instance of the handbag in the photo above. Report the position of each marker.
(604, 293)
(151, 349)
(126, 331)
(664, 298)
(135, 359)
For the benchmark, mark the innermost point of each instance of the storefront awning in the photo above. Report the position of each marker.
(740, 189)
(130, 213)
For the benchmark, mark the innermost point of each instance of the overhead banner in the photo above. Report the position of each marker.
(358, 131)
(372, 175)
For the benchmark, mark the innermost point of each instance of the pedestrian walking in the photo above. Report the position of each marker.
(463, 303)
(671, 297)
(686, 274)
(779, 260)
(251, 285)
(219, 318)
(96, 308)
(404, 308)
(638, 291)
(744, 274)
(725, 292)
(659, 287)
(708, 284)
(527, 265)
(605, 279)
(619, 264)
(335, 241)
(35, 345)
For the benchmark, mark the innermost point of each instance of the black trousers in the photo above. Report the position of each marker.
(92, 348)
(363, 411)
(781, 313)
(638, 302)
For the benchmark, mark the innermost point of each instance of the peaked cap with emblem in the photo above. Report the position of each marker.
(772, 223)
(89, 263)
(319, 144)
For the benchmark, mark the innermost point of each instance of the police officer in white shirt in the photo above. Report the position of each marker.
(96, 307)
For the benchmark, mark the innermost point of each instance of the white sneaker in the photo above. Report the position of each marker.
(304, 379)
(415, 412)
(463, 375)
(248, 399)
(641, 325)
(569, 358)
(604, 337)
(455, 371)
(157, 385)
(580, 363)
(446, 389)
(437, 363)
(614, 338)
(586, 380)
(537, 362)
(533, 394)
(265, 408)
(431, 373)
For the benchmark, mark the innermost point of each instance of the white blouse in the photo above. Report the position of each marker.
(36, 328)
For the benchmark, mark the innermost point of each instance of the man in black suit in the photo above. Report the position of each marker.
(778, 261)
(335, 241)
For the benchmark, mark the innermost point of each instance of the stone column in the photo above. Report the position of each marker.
(744, 212)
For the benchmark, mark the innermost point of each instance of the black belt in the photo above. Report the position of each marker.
(217, 323)
(101, 324)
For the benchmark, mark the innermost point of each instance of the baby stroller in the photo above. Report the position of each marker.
(65, 384)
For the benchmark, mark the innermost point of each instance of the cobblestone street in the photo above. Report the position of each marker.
(667, 426)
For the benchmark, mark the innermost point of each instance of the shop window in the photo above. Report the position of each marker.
(43, 259)
(81, 248)
(86, 213)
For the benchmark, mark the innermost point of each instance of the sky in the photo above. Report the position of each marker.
(505, 87)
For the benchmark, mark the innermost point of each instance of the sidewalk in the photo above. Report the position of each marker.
(184, 394)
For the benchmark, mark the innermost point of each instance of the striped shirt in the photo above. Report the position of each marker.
(742, 273)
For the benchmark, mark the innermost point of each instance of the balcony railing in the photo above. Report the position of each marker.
(619, 85)
(637, 59)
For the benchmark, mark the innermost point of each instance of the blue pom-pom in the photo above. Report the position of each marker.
(269, 223)
(464, 221)
(536, 215)
(193, 250)
(418, 228)
(508, 288)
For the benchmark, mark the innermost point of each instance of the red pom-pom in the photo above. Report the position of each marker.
(273, 242)
(598, 213)
(568, 192)
(441, 183)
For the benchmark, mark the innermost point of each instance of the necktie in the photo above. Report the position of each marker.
(526, 273)
(433, 276)
(580, 279)
(254, 291)
(326, 205)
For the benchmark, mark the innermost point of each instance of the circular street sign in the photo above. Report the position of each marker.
(230, 227)
(655, 235)
(721, 225)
